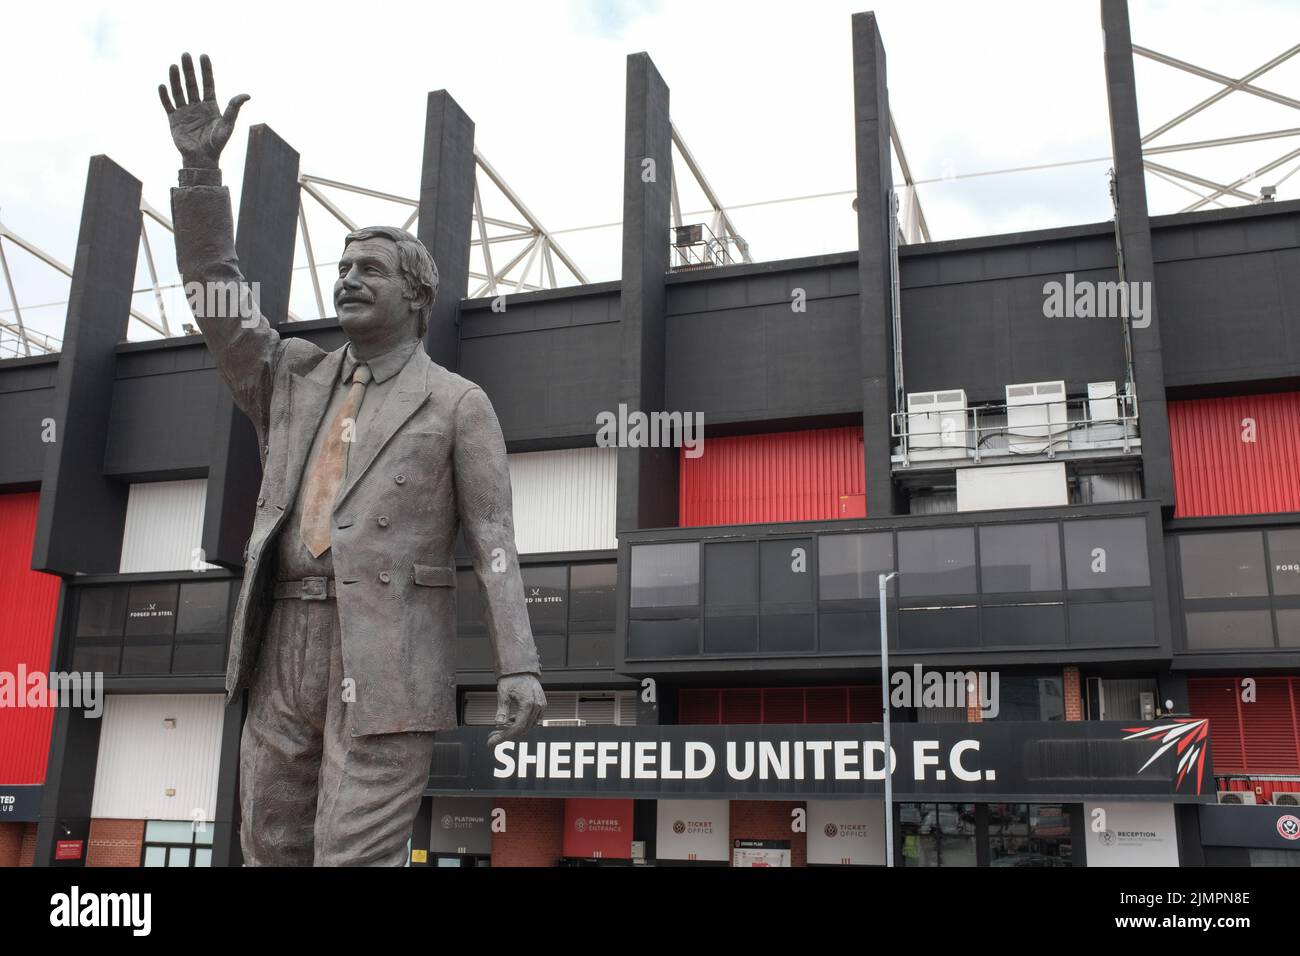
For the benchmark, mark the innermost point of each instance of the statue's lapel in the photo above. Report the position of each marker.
(409, 392)
(309, 398)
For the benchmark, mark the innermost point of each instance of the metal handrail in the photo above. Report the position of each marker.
(974, 436)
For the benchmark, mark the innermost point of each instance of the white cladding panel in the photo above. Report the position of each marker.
(564, 500)
(164, 523)
(141, 757)
(1012, 486)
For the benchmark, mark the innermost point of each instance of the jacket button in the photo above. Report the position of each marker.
(382, 521)
(400, 479)
(385, 577)
(260, 502)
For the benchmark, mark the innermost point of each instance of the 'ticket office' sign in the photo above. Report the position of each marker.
(989, 761)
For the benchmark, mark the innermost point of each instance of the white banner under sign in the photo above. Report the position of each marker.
(1135, 834)
(846, 832)
(693, 830)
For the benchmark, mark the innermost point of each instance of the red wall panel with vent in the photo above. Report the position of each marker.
(811, 475)
(1236, 456)
(1255, 737)
(29, 600)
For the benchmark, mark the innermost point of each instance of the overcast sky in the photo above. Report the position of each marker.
(761, 92)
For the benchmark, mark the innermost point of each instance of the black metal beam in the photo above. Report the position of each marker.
(647, 477)
(446, 211)
(875, 295)
(82, 513)
(1135, 239)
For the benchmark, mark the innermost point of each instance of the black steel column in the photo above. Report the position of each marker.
(1135, 237)
(82, 513)
(647, 477)
(264, 242)
(875, 308)
(226, 819)
(73, 759)
(446, 212)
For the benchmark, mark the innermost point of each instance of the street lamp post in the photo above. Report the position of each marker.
(884, 709)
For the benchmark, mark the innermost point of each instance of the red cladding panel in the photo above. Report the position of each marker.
(1236, 456)
(783, 476)
(28, 602)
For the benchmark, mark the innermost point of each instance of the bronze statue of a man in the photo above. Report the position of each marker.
(372, 457)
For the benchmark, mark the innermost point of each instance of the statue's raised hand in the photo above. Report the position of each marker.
(199, 129)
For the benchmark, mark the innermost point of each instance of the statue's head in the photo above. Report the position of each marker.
(386, 286)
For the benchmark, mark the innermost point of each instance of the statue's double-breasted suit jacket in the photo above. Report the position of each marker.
(433, 461)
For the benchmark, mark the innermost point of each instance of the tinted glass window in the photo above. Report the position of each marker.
(591, 589)
(1208, 630)
(1020, 557)
(730, 573)
(938, 834)
(849, 565)
(203, 608)
(1106, 553)
(1223, 565)
(101, 611)
(1284, 554)
(469, 602)
(787, 571)
(150, 623)
(546, 593)
(1288, 627)
(1030, 698)
(101, 614)
(151, 609)
(666, 575)
(936, 561)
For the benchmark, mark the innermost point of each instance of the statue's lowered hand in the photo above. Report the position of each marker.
(199, 129)
(520, 702)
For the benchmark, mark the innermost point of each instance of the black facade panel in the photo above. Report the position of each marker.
(547, 381)
(26, 401)
(1231, 318)
(761, 360)
(161, 424)
(985, 334)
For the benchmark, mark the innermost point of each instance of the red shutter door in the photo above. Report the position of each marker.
(698, 706)
(742, 706)
(1259, 737)
(1268, 728)
(1216, 698)
(783, 705)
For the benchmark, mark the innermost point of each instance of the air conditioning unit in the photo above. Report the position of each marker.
(1036, 413)
(1281, 799)
(688, 235)
(1103, 402)
(1147, 703)
(937, 425)
(564, 722)
(1239, 797)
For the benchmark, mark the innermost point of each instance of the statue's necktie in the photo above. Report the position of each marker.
(326, 477)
